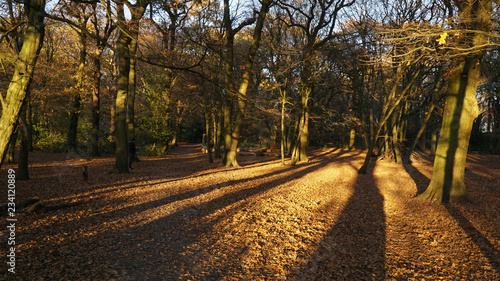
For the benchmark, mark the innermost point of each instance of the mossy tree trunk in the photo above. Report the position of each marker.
(300, 150)
(447, 181)
(122, 87)
(124, 84)
(24, 64)
(230, 159)
(137, 12)
(229, 90)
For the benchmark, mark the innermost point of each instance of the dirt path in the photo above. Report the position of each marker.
(179, 218)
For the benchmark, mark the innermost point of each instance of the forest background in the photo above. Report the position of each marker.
(289, 74)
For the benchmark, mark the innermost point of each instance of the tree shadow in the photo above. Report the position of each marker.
(421, 181)
(354, 249)
(160, 202)
(489, 251)
(160, 247)
(184, 229)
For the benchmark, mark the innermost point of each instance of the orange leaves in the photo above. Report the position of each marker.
(180, 218)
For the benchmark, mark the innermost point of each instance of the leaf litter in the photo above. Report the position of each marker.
(178, 217)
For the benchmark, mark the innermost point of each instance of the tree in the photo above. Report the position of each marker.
(81, 15)
(103, 32)
(232, 134)
(24, 65)
(132, 30)
(316, 19)
(474, 23)
(126, 47)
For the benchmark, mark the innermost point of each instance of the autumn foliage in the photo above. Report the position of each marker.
(178, 218)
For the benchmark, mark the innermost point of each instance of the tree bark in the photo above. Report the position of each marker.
(447, 181)
(395, 133)
(23, 71)
(121, 162)
(132, 83)
(11, 149)
(218, 134)
(208, 132)
(283, 106)
(300, 150)
(352, 137)
(76, 103)
(228, 82)
(177, 124)
(22, 164)
(245, 80)
(96, 104)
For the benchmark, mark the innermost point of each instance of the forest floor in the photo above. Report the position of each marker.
(177, 217)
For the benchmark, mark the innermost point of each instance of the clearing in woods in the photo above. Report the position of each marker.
(178, 217)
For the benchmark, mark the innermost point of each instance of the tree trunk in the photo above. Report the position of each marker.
(121, 163)
(434, 141)
(245, 80)
(177, 124)
(395, 144)
(96, 104)
(218, 134)
(22, 164)
(228, 83)
(228, 120)
(11, 149)
(447, 181)
(76, 103)
(23, 71)
(131, 87)
(352, 137)
(283, 106)
(208, 120)
(300, 150)
(389, 106)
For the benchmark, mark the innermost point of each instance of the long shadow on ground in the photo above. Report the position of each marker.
(354, 249)
(159, 249)
(171, 257)
(486, 247)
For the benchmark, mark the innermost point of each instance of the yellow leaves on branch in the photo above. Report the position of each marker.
(442, 38)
